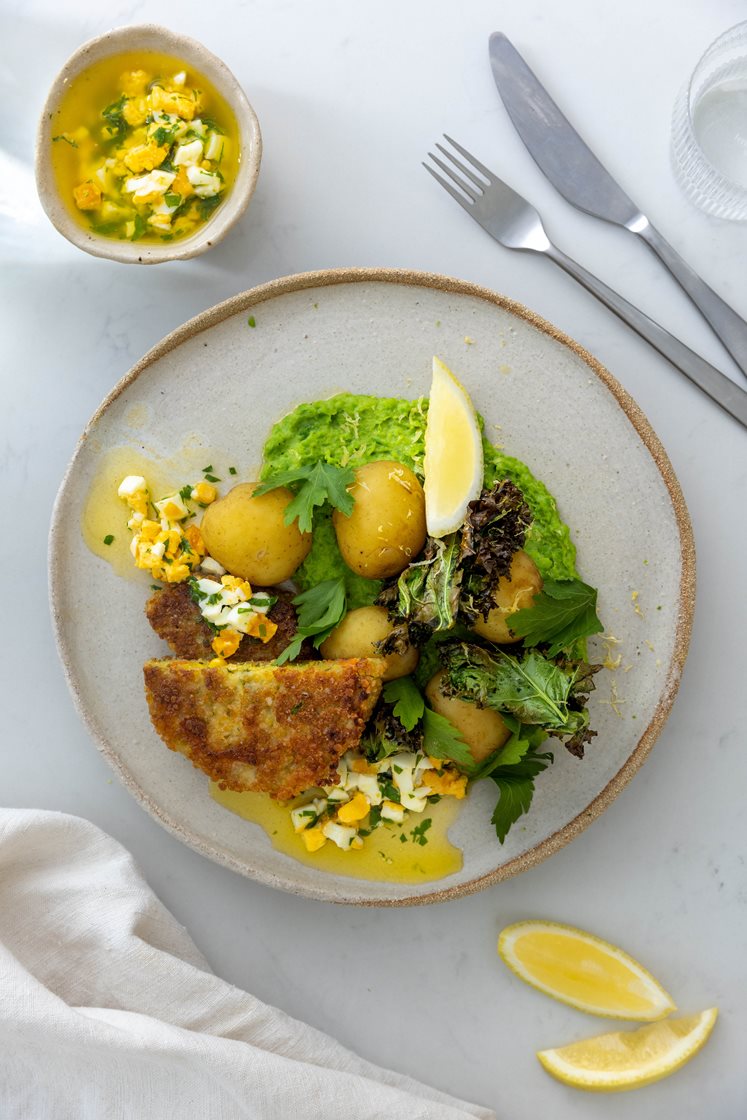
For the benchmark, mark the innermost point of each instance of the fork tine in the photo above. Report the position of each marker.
(448, 187)
(454, 178)
(480, 183)
(467, 155)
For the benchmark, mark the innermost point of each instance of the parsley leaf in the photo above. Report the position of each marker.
(67, 140)
(442, 740)
(563, 612)
(418, 833)
(407, 699)
(516, 785)
(320, 483)
(321, 609)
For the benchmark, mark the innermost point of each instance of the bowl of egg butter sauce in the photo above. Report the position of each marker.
(147, 149)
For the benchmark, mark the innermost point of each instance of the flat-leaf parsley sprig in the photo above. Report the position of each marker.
(319, 483)
(320, 610)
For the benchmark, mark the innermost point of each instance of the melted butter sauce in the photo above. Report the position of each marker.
(105, 514)
(383, 856)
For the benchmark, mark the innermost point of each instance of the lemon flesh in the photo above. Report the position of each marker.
(453, 465)
(630, 1059)
(584, 971)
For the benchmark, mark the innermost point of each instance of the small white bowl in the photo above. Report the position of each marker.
(150, 37)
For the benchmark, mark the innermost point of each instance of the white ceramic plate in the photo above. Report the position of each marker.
(224, 384)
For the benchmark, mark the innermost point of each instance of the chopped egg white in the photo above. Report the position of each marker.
(144, 188)
(205, 184)
(187, 154)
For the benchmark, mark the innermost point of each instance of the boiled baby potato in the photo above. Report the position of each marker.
(248, 536)
(515, 592)
(386, 529)
(482, 729)
(357, 635)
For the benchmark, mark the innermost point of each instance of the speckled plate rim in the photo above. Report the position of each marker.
(247, 300)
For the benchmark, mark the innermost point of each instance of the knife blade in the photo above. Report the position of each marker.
(583, 181)
(552, 141)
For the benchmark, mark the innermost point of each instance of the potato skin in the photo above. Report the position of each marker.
(515, 592)
(248, 537)
(386, 529)
(357, 635)
(482, 729)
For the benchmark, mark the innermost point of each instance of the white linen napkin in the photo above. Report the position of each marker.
(108, 1010)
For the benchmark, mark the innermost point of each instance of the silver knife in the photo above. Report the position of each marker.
(577, 174)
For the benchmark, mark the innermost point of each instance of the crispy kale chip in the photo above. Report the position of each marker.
(495, 529)
(456, 575)
(528, 687)
(426, 594)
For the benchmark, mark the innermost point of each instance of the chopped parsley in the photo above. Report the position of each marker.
(418, 833)
(252, 321)
(108, 539)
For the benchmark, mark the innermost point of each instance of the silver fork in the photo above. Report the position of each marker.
(514, 223)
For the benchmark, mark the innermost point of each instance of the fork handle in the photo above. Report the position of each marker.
(729, 327)
(721, 389)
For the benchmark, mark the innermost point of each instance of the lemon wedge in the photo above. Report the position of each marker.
(453, 466)
(630, 1059)
(582, 970)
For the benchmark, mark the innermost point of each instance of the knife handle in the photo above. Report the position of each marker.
(729, 327)
(721, 389)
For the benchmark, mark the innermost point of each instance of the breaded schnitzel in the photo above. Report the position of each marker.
(275, 729)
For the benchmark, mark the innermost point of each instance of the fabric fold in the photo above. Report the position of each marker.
(109, 1009)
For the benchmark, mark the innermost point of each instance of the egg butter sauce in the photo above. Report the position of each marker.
(391, 853)
(144, 148)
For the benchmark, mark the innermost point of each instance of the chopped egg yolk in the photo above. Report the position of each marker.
(144, 154)
(369, 795)
(161, 544)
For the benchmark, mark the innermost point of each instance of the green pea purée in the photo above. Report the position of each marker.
(349, 430)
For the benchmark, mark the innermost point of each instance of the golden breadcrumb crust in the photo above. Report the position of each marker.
(276, 729)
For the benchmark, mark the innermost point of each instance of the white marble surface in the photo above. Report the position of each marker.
(349, 98)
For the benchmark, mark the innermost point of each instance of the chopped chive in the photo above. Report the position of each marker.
(252, 321)
(108, 539)
(212, 478)
(232, 470)
(209, 467)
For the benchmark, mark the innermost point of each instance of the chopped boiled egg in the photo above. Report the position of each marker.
(341, 835)
(172, 507)
(188, 154)
(205, 184)
(147, 188)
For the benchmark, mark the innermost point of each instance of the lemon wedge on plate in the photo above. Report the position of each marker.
(630, 1059)
(582, 970)
(453, 466)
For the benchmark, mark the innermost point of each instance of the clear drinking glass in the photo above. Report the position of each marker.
(709, 129)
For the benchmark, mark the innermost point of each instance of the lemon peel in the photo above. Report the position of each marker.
(630, 1059)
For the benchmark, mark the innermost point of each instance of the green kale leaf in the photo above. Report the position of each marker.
(530, 687)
